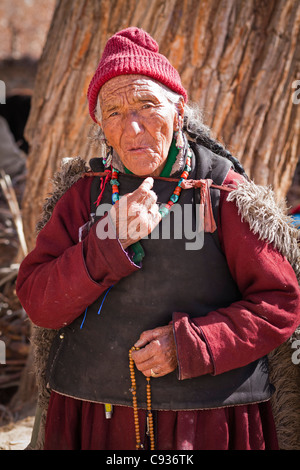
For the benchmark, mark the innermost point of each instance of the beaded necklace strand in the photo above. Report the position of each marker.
(139, 253)
(150, 425)
(164, 209)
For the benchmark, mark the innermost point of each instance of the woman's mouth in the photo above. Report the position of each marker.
(139, 150)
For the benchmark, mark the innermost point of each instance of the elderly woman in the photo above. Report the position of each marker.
(131, 303)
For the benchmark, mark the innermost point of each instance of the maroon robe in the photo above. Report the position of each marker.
(61, 276)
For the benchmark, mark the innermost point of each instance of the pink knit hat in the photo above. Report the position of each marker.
(133, 51)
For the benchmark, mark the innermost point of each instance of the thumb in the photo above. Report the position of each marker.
(147, 184)
(143, 190)
(145, 338)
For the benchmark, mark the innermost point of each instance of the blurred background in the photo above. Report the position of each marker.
(24, 25)
(238, 58)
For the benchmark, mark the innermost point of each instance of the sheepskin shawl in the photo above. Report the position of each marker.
(268, 219)
(72, 170)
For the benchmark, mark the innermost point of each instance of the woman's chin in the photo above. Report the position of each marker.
(144, 170)
(144, 164)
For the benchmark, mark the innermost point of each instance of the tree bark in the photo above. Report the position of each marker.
(237, 58)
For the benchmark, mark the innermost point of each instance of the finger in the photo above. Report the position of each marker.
(143, 190)
(145, 360)
(144, 354)
(144, 198)
(147, 184)
(159, 364)
(150, 199)
(156, 218)
(135, 208)
(145, 338)
(153, 372)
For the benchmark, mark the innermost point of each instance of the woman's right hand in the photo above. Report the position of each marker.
(136, 214)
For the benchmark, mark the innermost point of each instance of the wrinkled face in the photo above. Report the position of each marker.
(138, 122)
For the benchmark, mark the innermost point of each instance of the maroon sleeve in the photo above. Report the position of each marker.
(264, 318)
(62, 276)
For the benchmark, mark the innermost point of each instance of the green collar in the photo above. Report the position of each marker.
(173, 152)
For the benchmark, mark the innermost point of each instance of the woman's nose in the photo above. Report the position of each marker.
(133, 124)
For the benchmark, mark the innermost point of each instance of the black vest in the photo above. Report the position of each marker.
(89, 358)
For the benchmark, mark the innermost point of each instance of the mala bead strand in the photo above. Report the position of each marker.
(138, 443)
(150, 425)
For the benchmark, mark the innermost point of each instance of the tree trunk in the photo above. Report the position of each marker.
(237, 58)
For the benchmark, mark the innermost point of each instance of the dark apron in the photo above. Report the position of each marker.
(89, 359)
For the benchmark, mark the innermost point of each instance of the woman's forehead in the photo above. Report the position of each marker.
(129, 84)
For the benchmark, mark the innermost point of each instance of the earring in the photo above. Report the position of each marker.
(178, 134)
(179, 139)
(108, 158)
(109, 153)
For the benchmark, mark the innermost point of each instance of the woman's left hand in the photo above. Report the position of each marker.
(157, 354)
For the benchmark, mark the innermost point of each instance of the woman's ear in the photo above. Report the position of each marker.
(178, 125)
(180, 107)
(178, 118)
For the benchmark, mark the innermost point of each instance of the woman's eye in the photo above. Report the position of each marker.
(147, 106)
(115, 113)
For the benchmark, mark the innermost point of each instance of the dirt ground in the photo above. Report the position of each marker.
(16, 435)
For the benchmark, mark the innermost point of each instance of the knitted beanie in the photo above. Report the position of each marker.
(132, 51)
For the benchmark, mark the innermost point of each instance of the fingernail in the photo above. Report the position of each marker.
(149, 181)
